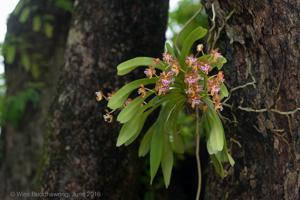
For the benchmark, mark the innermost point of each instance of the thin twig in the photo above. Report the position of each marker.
(286, 112)
(240, 87)
(248, 109)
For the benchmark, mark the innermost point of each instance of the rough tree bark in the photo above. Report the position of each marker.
(82, 152)
(261, 40)
(23, 143)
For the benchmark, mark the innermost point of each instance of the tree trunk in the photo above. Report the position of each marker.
(22, 138)
(261, 42)
(82, 149)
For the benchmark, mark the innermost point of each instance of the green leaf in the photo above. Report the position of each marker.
(195, 35)
(130, 110)
(129, 65)
(10, 53)
(215, 141)
(136, 124)
(137, 133)
(48, 28)
(66, 5)
(36, 23)
(217, 165)
(173, 111)
(25, 60)
(167, 162)
(226, 155)
(175, 105)
(146, 141)
(118, 99)
(129, 129)
(35, 70)
(156, 150)
(24, 15)
(224, 91)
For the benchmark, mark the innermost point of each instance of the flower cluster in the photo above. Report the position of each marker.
(194, 88)
(164, 83)
(193, 77)
(214, 87)
(167, 78)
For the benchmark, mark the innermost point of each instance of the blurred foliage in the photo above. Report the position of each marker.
(20, 47)
(20, 50)
(183, 16)
(13, 107)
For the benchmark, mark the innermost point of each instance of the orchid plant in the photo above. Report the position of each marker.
(180, 82)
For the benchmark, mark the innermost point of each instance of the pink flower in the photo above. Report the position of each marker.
(205, 68)
(191, 61)
(191, 78)
(168, 58)
(214, 89)
(165, 82)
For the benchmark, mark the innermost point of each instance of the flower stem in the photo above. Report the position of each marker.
(197, 155)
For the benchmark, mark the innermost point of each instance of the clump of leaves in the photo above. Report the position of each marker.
(13, 107)
(178, 83)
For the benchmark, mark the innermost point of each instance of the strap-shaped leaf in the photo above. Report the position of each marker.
(156, 150)
(146, 142)
(118, 99)
(216, 136)
(217, 165)
(129, 65)
(129, 129)
(167, 161)
(130, 110)
(137, 133)
(175, 138)
(224, 156)
(195, 35)
(141, 123)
